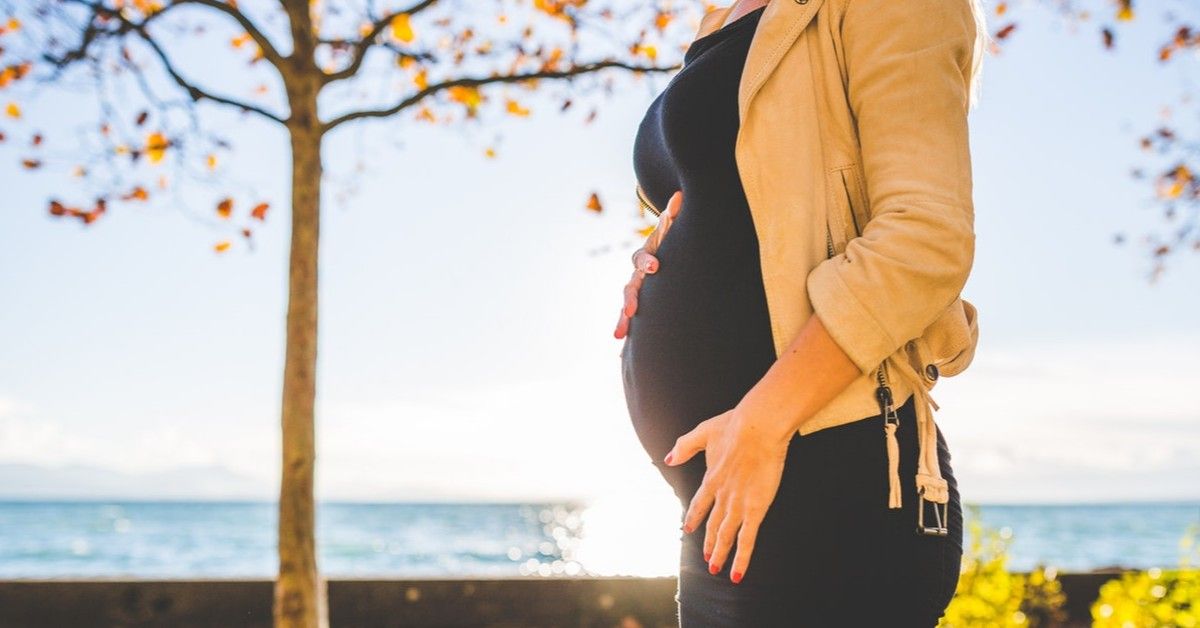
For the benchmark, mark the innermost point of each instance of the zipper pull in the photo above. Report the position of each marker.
(883, 394)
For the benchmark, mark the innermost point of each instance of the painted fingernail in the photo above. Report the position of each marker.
(687, 528)
(670, 456)
(713, 568)
(736, 577)
(707, 556)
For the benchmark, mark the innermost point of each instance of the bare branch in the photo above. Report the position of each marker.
(270, 53)
(195, 92)
(93, 34)
(477, 82)
(363, 45)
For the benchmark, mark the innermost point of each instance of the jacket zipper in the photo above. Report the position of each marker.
(644, 202)
(883, 392)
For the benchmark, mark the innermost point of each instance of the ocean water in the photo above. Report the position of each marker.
(237, 539)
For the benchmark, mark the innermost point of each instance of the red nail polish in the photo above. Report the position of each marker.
(688, 529)
(707, 556)
(713, 568)
(736, 577)
(670, 455)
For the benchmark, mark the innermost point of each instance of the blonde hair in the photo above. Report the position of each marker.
(982, 39)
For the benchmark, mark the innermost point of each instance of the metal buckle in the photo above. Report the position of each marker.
(940, 512)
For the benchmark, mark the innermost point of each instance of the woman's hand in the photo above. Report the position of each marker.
(644, 262)
(744, 456)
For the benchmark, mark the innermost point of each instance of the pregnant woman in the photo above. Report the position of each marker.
(781, 340)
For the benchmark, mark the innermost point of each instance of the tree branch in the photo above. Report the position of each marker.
(477, 82)
(93, 34)
(363, 45)
(196, 93)
(270, 53)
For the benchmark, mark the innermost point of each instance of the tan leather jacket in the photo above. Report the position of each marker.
(853, 152)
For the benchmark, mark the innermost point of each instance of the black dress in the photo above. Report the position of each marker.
(829, 552)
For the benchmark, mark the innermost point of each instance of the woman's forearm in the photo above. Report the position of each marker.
(809, 374)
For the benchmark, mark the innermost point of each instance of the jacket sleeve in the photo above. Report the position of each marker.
(908, 65)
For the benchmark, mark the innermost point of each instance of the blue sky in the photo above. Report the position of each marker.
(466, 348)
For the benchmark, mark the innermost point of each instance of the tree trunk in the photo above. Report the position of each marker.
(299, 591)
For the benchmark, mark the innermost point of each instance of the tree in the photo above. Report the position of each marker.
(452, 54)
(1174, 184)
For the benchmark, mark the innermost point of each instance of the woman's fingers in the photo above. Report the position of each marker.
(712, 546)
(701, 502)
(645, 261)
(622, 326)
(722, 536)
(630, 306)
(631, 293)
(745, 546)
(690, 444)
(665, 219)
(674, 204)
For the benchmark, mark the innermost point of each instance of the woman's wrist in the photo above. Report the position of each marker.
(772, 411)
(812, 370)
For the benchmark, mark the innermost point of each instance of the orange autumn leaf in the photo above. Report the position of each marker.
(402, 28)
(12, 110)
(240, 40)
(594, 203)
(222, 246)
(225, 207)
(468, 95)
(138, 193)
(421, 79)
(490, 153)
(260, 211)
(1125, 13)
(31, 164)
(156, 147)
(14, 72)
(516, 109)
(211, 162)
(646, 231)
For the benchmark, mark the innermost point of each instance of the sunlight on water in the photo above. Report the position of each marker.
(634, 534)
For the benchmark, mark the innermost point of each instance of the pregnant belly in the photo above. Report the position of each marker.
(700, 339)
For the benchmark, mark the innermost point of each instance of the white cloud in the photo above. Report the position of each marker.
(1051, 422)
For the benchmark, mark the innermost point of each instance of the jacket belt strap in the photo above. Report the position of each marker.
(930, 484)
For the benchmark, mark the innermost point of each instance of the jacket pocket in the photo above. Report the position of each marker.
(840, 225)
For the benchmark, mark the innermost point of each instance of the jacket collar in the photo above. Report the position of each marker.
(781, 23)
